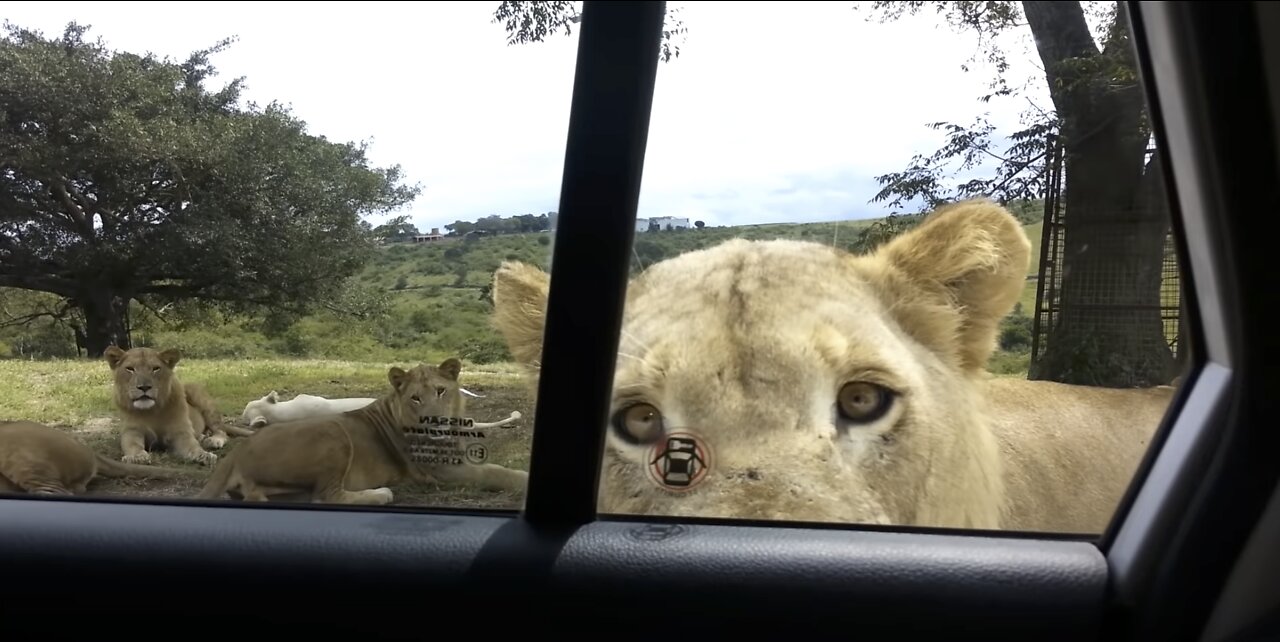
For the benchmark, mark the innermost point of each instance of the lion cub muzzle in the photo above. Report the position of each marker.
(142, 396)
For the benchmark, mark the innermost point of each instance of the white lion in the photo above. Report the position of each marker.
(270, 410)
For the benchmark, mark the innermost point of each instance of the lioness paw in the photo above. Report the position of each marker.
(50, 490)
(143, 457)
(208, 459)
(213, 442)
(382, 495)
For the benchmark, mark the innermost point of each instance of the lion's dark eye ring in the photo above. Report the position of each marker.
(861, 402)
(638, 424)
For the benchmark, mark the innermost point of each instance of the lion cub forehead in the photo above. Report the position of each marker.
(761, 274)
(430, 375)
(142, 355)
(737, 258)
(768, 311)
(755, 288)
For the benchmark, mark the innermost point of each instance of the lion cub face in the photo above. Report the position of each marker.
(426, 391)
(821, 386)
(143, 376)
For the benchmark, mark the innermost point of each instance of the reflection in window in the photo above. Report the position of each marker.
(891, 266)
(261, 270)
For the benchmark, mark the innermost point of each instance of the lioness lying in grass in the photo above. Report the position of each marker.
(352, 457)
(40, 460)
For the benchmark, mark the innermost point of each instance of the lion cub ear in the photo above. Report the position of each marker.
(971, 258)
(114, 355)
(519, 308)
(450, 368)
(398, 378)
(170, 357)
(273, 397)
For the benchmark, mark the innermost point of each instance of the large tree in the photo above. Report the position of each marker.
(125, 178)
(1109, 331)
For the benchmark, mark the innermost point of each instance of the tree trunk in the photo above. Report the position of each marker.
(1109, 331)
(105, 321)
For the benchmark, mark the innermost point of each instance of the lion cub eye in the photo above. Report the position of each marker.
(155, 370)
(416, 399)
(440, 390)
(862, 402)
(639, 423)
(128, 369)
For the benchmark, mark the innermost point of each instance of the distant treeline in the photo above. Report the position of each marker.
(1028, 211)
(492, 225)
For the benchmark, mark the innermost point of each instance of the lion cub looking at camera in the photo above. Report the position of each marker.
(351, 457)
(161, 411)
(836, 387)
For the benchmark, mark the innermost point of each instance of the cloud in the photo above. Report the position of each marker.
(773, 112)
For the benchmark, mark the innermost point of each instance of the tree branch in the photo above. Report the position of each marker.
(73, 209)
(196, 292)
(173, 290)
(51, 285)
(58, 315)
(1024, 165)
(159, 314)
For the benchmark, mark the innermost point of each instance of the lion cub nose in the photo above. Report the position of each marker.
(144, 388)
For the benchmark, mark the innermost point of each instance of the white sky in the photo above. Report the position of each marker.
(771, 113)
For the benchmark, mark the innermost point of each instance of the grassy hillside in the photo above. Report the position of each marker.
(437, 302)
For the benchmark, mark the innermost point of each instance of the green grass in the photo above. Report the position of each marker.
(1028, 298)
(70, 392)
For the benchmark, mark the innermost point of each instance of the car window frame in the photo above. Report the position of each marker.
(1185, 472)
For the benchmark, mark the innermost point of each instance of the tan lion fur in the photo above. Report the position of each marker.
(40, 460)
(748, 344)
(352, 457)
(160, 411)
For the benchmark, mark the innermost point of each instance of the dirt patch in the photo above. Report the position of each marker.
(508, 446)
(97, 425)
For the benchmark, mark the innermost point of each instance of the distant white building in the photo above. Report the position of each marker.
(435, 235)
(642, 224)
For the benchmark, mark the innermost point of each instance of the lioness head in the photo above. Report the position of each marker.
(813, 384)
(143, 376)
(425, 391)
(254, 411)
